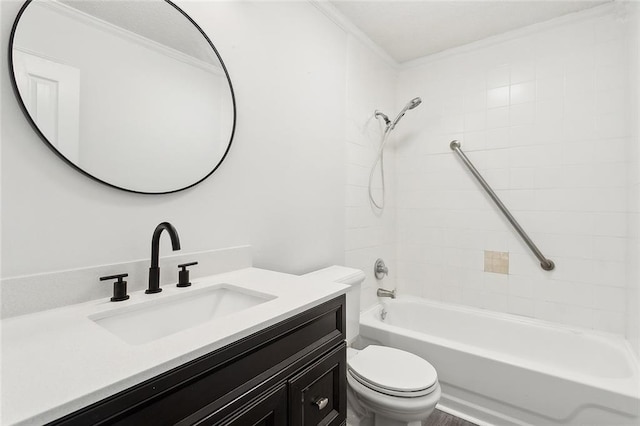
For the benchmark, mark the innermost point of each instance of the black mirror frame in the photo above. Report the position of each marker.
(78, 168)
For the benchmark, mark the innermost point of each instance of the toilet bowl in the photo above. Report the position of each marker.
(398, 387)
(395, 387)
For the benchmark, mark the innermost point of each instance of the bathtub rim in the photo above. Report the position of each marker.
(628, 386)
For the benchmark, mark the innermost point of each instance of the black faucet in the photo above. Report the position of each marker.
(154, 270)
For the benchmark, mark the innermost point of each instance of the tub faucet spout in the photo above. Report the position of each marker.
(387, 293)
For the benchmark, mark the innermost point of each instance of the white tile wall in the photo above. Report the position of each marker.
(370, 85)
(545, 118)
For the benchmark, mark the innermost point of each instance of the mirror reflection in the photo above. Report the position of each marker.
(130, 92)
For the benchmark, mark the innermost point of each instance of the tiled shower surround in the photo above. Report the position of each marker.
(371, 86)
(544, 114)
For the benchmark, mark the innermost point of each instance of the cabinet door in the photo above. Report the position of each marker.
(318, 395)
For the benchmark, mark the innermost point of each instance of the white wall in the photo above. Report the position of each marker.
(281, 189)
(633, 263)
(544, 116)
(370, 234)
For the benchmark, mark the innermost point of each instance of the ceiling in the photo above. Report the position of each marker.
(408, 30)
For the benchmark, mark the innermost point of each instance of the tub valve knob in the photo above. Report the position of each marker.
(380, 269)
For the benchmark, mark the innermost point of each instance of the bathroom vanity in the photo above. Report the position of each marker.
(291, 373)
(279, 362)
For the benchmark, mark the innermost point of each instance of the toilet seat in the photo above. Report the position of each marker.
(391, 392)
(392, 372)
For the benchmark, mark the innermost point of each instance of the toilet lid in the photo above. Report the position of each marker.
(392, 371)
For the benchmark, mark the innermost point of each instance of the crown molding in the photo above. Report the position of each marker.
(130, 36)
(349, 27)
(617, 7)
(614, 7)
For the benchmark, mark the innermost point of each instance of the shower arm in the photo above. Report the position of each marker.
(546, 264)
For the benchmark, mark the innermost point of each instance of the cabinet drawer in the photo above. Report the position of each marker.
(318, 395)
(267, 410)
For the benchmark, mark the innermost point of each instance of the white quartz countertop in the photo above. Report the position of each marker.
(58, 361)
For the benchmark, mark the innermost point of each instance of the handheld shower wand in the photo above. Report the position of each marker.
(389, 126)
(410, 105)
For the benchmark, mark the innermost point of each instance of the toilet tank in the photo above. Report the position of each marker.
(353, 278)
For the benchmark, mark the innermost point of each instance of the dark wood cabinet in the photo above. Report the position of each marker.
(317, 394)
(292, 373)
(269, 409)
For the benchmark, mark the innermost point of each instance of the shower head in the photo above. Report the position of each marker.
(414, 103)
(410, 105)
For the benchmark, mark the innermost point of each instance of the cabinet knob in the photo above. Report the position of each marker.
(321, 402)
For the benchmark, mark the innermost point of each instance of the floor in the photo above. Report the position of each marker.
(440, 418)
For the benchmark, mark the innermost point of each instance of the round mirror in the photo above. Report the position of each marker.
(129, 92)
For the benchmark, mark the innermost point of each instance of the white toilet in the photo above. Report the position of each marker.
(397, 387)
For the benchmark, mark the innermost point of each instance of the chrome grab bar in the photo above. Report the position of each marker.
(546, 264)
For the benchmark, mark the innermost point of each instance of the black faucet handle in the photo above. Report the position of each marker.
(183, 274)
(185, 265)
(119, 287)
(118, 277)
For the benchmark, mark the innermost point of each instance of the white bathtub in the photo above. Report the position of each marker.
(504, 370)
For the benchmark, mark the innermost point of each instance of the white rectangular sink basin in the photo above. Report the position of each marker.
(149, 321)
